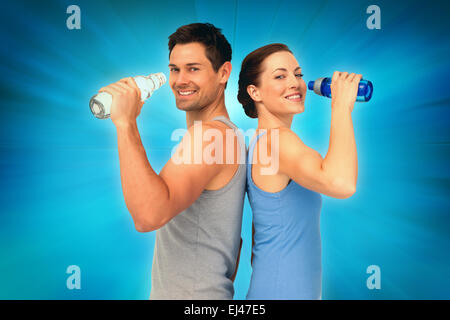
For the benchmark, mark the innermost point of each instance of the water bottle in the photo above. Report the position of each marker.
(322, 87)
(100, 103)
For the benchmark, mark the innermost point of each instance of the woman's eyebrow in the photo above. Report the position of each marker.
(283, 69)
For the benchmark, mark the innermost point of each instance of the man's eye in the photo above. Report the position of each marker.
(173, 69)
(193, 69)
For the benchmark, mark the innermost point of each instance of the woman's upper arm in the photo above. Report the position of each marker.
(304, 165)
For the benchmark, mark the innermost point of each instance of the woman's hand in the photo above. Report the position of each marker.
(344, 88)
(126, 103)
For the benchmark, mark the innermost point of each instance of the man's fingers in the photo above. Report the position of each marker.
(131, 83)
(119, 88)
(112, 91)
(115, 87)
(123, 86)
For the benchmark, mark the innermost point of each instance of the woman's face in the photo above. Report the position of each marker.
(281, 87)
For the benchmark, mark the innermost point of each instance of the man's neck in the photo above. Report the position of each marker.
(215, 109)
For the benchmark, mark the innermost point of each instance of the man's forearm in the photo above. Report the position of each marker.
(145, 192)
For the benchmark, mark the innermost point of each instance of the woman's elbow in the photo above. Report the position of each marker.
(344, 191)
(348, 193)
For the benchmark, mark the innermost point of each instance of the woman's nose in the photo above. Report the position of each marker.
(294, 82)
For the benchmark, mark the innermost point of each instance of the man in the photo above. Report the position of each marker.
(195, 206)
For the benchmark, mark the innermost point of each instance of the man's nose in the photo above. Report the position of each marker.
(182, 78)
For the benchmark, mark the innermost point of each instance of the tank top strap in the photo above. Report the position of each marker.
(226, 121)
(251, 147)
(243, 147)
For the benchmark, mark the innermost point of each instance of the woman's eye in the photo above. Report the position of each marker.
(299, 75)
(280, 77)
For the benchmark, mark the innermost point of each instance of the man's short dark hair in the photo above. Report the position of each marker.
(217, 48)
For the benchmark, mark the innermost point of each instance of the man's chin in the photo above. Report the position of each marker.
(187, 106)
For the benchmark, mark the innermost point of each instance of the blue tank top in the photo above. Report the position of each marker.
(287, 249)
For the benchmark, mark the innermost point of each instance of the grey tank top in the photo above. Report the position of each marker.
(195, 252)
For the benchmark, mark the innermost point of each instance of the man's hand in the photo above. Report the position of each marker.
(126, 103)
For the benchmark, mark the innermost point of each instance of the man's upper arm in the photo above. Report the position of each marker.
(304, 166)
(186, 174)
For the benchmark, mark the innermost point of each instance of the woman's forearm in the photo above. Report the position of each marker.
(341, 162)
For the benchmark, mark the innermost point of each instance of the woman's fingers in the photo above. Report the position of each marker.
(335, 76)
(344, 75)
(358, 78)
(350, 77)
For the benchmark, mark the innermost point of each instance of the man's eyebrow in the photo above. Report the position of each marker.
(188, 64)
(283, 69)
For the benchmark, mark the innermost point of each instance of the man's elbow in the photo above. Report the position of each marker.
(144, 224)
(143, 228)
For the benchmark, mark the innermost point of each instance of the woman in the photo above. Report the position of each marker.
(285, 190)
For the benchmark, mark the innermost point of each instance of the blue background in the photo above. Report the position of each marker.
(61, 196)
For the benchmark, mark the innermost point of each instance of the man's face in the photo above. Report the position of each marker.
(192, 78)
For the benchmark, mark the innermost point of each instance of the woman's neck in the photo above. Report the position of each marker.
(268, 120)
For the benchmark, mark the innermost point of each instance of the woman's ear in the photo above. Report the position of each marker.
(253, 92)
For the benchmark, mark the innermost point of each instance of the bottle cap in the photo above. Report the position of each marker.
(311, 85)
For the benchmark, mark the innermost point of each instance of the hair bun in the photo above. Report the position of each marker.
(250, 110)
(247, 102)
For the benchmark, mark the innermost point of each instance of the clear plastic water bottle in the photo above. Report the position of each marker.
(322, 87)
(100, 103)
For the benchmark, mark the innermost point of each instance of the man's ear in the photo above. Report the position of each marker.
(225, 71)
(253, 92)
